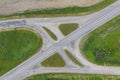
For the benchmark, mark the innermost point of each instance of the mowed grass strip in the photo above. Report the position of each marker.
(68, 11)
(54, 61)
(102, 46)
(72, 58)
(72, 77)
(51, 34)
(68, 28)
(16, 46)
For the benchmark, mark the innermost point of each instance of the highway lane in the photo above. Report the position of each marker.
(84, 70)
(94, 23)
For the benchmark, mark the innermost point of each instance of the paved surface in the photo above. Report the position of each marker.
(69, 42)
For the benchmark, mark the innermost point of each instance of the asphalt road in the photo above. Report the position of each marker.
(93, 23)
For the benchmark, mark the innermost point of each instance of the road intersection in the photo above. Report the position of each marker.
(91, 22)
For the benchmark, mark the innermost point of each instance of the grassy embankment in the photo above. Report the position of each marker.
(16, 46)
(102, 46)
(72, 77)
(51, 34)
(69, 11)
(68, 28)
(54, 61)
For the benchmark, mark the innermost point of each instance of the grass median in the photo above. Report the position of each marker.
(68, 11)
(50, 33)
(16, 46)
(73, 58)
(102, 46)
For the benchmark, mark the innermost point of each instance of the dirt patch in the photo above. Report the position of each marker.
(12, 6)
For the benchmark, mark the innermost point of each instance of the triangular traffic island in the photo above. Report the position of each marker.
(54, 61)
(68, 28)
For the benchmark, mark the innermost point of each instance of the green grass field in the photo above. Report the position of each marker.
(72, 77)
(54, 61)
(68, 28)
(51, 34)
(102, 46)
(72, 58)
(16, 46)
(69, 11)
